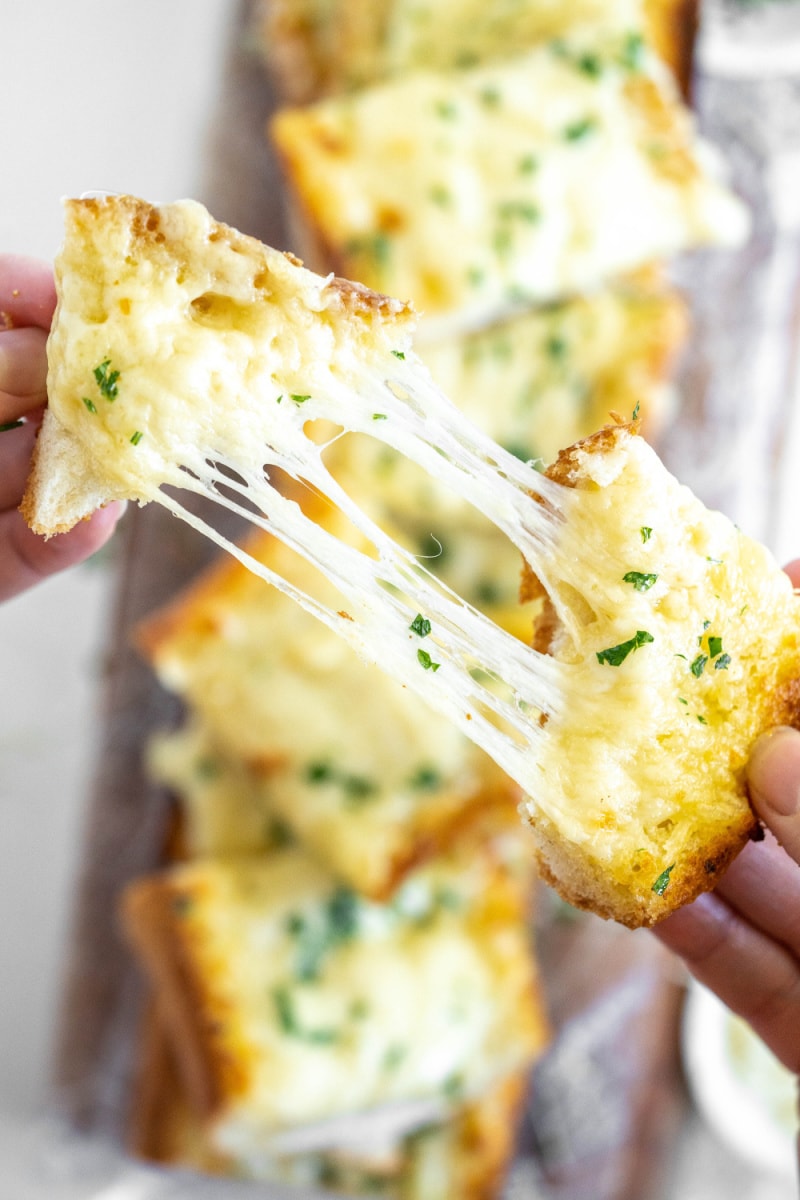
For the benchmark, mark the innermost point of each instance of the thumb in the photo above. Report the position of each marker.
(774, 781)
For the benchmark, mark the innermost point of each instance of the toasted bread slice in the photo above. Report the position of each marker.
(478, 193)
(292, 1001)
(241, 390)
(321, 47)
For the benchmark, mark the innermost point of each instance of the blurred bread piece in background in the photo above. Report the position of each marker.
(290, 1000)
(304, 733)
(476, 194)
(316, 48)
(466, 1157)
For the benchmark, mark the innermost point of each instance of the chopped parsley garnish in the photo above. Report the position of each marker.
(662, 883)
(300, 399)
(90, 404)
(420, 625)
(107, 380)
(528, 164)
(646, 532)
(702, 719)
(356, 788)
(590, 65)
(642, 581)
(555, 347)
(632, 51)
(615, 655)
(426, 662)
(318, 933)
(136, 437)
(635, 413)
(519, 208)
(578, 130)
(426, 779)
(714, 646)
(397, 353)
(722, 663)
(290, 1025)
(446, 109)
(393, 1057)
(379, 416)
(320, 772)
(699, 665)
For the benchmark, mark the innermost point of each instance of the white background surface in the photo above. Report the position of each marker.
(101, 95)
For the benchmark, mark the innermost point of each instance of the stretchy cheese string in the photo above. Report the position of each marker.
(491, 685)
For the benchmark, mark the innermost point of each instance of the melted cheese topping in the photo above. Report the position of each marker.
(476, 193)
(330, 1004)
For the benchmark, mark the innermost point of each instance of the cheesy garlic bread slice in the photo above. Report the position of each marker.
(291, 727)
(292, 1002)
(220, 354)
(463, 1158)
(323, 47)
(475, 194)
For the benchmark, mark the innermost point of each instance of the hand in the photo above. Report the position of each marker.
(27, 303)
(743, 940)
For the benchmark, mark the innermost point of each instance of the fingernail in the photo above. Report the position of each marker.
(774, 772)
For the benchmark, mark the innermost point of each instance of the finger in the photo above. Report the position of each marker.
(763, 885)
(27, 559)
(773, 778)
(792, 569)
(16, 449)
(752, 974)
(27, 292)
(23, 371)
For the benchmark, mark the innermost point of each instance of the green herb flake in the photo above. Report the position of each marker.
(90, 404)
(107, 380)
(420, 625)
(528, 164)
(287, 1019)
(446, 109)
(641, 581)
(723, 662)
(714, 647)
(379, 416)
(702, 719)
(613, 656)
(662, 883)
(300, 399)
(136, 437)
(646, 532)
(556, 347)
(521, 209)
(632, 52)
(577, 131)
(699, 665)
(590, 65)
(426, 662)
(319, 772)
(426, 779)
(635, 413)
(397, 353)
(682, 700)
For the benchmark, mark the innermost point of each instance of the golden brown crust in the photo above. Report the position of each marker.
(578, 879)
(148, 911)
